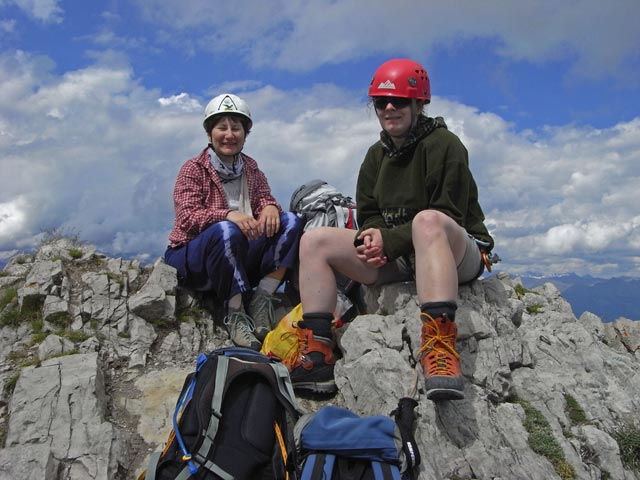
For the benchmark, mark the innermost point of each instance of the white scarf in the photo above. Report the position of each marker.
(231, 175)
(227, 172)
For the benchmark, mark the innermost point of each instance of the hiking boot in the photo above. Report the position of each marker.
(439, 359)
(262, 309)
(312, 370)
(240, 328)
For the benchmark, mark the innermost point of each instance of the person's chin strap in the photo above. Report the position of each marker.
(414, 114)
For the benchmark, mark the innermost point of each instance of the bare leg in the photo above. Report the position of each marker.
(439, 244)
(323, 251)
(277, 274)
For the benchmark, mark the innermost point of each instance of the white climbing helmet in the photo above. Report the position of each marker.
(226, 104)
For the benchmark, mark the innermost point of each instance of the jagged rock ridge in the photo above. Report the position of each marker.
(94, 351)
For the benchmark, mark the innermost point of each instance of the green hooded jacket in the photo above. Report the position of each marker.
(430, 171)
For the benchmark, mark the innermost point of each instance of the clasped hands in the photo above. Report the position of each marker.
(268, 222)
(370, 248)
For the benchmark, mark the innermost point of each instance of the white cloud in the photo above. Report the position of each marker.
(12, 219)
(7, 26)
(48, 11)
(182, 101)
(286, 34)
(95, 151)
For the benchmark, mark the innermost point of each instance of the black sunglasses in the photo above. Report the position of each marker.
(398, 102)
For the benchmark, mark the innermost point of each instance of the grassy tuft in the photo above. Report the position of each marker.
(10, 384)
(521, 291)
(38, 337)
(37, 325)
(60, 319)
(10, 318)
(75, 336)
(115, 278)
(574, 411)
(185, 314)
(64, 354)
(542, 441)
(628, 439)
(8, 295)
(535, 309)
(32, 308)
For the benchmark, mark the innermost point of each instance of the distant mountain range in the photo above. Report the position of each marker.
(608, 298)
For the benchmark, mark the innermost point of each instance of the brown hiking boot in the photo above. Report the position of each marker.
(312, 370)
(439, 359)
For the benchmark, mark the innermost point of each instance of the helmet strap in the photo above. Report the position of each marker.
(414, 114)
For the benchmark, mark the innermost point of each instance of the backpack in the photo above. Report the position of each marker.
(322, 205)
(234, 419)
(335, 443)
(319, 204)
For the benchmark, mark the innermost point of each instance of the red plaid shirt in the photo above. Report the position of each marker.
(199, 198)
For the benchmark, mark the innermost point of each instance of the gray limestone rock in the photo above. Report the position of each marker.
(53, 346)
(57, 416)
(98, 414)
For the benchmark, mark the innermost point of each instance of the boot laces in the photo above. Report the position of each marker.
(298, 356)
(241, 323)
(441, 344)
(264, 304)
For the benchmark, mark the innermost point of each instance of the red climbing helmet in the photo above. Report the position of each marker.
(401, 77)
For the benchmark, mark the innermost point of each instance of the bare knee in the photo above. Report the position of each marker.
(315, 242)
(430, 224)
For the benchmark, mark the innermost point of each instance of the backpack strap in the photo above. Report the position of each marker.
(152, 466)
(385, 471)
(285, 387)
(342, 216)
(318, 466)
(185, 474)
(222, 367)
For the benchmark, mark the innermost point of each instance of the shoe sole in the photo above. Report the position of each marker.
(322, 388)
(444, 388)
(261, 333)
(253, 346)
(441, 394)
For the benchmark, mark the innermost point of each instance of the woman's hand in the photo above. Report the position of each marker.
(269, 220)
(371, 248)
(250, 227)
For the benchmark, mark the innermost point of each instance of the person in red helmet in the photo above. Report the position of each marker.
(419, 218)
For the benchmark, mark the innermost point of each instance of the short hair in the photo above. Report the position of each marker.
(213, 121)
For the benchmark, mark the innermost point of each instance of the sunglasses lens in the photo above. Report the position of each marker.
(397, 102)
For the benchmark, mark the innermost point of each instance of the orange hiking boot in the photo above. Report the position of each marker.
(312, 371)
(439, 359)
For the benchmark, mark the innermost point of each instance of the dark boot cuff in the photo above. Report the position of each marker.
(318, 322)
(440, 309)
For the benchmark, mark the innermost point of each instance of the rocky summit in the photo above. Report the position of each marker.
(94, 352)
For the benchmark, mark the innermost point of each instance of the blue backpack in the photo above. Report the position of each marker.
(335, 443)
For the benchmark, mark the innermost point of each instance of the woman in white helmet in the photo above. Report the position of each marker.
(230, 234)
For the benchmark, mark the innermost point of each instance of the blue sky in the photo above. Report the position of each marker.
(101, 103)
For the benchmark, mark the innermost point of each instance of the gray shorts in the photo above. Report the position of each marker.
(402, 269)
